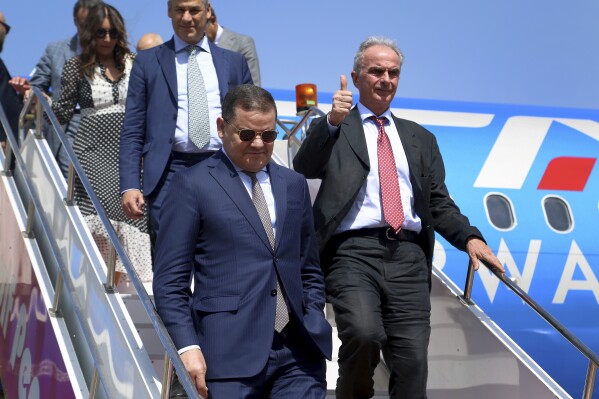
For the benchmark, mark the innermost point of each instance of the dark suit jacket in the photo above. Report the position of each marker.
(211, 228)
(151, 110)
(343, 165)
(10, 102)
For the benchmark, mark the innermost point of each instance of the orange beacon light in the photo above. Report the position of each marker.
(305, 97)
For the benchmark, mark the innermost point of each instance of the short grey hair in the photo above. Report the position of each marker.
(375, 41)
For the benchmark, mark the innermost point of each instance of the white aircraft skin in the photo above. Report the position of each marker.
(531, 159)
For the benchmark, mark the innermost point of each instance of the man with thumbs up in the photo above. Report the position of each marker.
(381, 199)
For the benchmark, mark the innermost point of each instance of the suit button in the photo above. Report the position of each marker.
(276, 260)
(273, 293)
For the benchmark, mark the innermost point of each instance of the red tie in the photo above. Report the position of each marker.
(390, 195)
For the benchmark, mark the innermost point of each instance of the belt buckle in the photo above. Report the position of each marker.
(393, 236)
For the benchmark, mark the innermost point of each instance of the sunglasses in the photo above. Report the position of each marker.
(267, 136)
(6, 26)
(113, 33)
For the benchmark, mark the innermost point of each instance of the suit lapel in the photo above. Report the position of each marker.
(279, 192)
(411, 148)
(352, 130)
(166, 59)
(227, 177)
(221, 65)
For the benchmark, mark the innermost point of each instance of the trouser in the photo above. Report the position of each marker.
(295, 369)
(379, 289)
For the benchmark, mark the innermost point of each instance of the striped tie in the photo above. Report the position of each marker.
(282, 313)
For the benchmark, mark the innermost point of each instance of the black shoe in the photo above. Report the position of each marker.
(177, 390)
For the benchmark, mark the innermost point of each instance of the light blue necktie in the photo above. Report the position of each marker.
(197, 113)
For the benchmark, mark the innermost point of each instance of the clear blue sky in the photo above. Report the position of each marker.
(534, 52)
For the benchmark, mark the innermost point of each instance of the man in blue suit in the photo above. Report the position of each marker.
(47, 77)
(243, 260)
(157, 114)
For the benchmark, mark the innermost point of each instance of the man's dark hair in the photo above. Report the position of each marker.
(249, 98)
(84, 4)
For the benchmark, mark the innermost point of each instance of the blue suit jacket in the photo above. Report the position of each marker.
(211, 228)
(48, 71)
(48, 74)
(151, 110)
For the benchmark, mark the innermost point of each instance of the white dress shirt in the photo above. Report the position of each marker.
(367, 212)
(204, 59)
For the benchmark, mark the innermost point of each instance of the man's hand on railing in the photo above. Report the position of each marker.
(478, 250)
(133, 204)
(21, 85)
(195, 364)
(342, 103)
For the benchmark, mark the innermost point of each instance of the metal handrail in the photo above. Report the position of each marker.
(42, 105)
(291, 137)
(306, 115)
(55, 252)
(560, 328)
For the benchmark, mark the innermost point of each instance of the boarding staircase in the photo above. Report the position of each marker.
(113, 343)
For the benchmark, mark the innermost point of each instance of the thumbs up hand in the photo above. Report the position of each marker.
(342, 103)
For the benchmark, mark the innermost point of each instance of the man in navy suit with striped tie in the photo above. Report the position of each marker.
(254, 325)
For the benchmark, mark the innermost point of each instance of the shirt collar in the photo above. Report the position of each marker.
(180, 44)
(365, 113)
(219, 32)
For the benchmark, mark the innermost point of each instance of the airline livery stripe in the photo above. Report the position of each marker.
(514, 152)
(424, 117)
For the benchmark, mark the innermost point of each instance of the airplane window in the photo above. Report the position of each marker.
(558, 214)
(500, 211)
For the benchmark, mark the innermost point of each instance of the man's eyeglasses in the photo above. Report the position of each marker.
(267, 136)
(6, 26)
(113, 33)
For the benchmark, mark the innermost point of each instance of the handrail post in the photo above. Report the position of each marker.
(167, 377)
(466, 298)
(55, 310)
(70, 186)
(7, 158)
(109, 286)
(28, 233)
(39, 133)
(94, 385)
(589, 383)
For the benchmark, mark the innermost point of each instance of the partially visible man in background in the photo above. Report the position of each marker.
(149, 40)
(237, 42)
(47, 74)
(8, 97)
